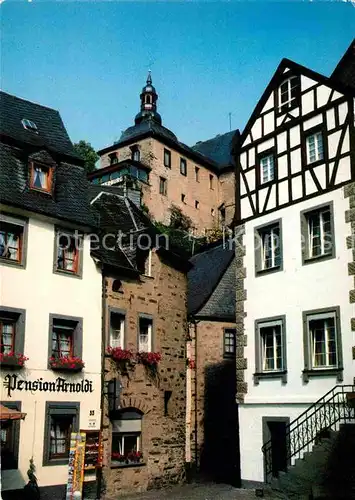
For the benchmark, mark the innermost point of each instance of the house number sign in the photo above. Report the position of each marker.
(14, 383)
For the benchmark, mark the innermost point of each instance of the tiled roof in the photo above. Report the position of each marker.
(51, 135)
(208, 269)
(218, 149)
(69, 200)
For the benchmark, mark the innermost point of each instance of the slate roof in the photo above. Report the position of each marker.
(218, 149)
(345, 69)
(146, 126)
(52, 134)
(209, 270)
(221, 304)
(69, 200)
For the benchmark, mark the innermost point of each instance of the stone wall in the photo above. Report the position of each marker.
(209, 196)
(349, 192)
(214, 427)
(163, 436)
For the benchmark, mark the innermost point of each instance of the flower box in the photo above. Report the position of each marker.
(134, 457)
(12, 360)
(150, 359)
(119, 354)
(66, 363)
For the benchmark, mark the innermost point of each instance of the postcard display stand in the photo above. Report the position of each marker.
(85, 455)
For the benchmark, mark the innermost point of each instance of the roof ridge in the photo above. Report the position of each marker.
(27, 100)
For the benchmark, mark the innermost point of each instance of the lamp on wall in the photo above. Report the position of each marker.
(113, 392)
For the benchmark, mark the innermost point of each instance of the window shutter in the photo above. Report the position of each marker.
(306, 343)
(257, 252)
(304, 237)
(78, 339)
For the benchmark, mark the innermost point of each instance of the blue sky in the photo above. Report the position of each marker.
(89, 60)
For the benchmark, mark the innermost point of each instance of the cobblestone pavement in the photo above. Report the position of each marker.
(193, 492)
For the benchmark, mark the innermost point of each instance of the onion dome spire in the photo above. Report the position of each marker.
(149, 99)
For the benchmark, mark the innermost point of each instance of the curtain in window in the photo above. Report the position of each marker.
(59, 433)
(40, 178)
(272, 348)
(62, 342)
(7, 336)
(9, 245)
(323, 340)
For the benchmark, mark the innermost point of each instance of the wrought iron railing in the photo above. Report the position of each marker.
(327, 413)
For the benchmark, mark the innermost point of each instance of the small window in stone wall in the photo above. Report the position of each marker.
(167, 398)
(126, 448)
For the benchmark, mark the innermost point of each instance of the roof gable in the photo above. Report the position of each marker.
(288, 66)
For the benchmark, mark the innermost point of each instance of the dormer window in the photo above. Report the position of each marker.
(289, 92)
(29, 125)
(41, 177)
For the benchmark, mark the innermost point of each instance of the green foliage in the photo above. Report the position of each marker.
(88, 153)
(178, 220)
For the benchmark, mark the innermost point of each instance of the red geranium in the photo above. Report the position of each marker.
(149, 358)
(67, 362)
(12, 358)
(119, 354)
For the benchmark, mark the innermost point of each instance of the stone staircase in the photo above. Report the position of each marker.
(327, 472)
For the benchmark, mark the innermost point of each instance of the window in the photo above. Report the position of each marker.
(183, 198)
(29, 125)
(136, 155)
(113, 159)
(315, 150)
(12, 330)
(61, 420)
(163, 186)
(68, 253)
(288, 93)
(270, 347)
(197, 172)
(229, 343)
(10, 435)
(167, 158)
(126, 437)
(212, 212)
(145, 334)
(211, 181)
(197, 204)
(65, 336)
(267, 168)
(183, 166)
(268, 247)
(322, 340)
(317, 233)
(117, 328)
(41, 177)
(144, 261)
(222, 215)
(13, 240)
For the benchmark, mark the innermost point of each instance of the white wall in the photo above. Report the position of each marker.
(289, 292)
(40, 292)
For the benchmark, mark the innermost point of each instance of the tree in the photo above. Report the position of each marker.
(88, 153)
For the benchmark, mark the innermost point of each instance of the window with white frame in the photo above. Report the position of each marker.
(117, 327)
(322, 340)
(268, 252)
(317, 233)
(145, 334)
(13, 240)
(229, 343)
(270, 347)
(315, 149)
(126, 438)
(267, 168)
(288, 93)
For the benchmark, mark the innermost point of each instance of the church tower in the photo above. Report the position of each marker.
(149, 99)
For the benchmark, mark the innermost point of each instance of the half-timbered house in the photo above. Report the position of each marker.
(295, 284)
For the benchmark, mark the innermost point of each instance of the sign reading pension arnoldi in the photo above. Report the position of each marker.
(14, 383)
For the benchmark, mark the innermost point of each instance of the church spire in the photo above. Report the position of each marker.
(149, 99)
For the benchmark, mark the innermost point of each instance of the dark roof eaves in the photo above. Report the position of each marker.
(181, 147)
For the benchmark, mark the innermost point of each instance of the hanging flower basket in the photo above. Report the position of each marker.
(66, 363)
(12, 360)
(150, 359)
(124, 358)
(190, 363)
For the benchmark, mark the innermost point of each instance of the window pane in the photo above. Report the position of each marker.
(271, 338)
(60, 429)
(10, 241)
(7, 336)
(116, 330)
(145, 326)
(62, 341)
